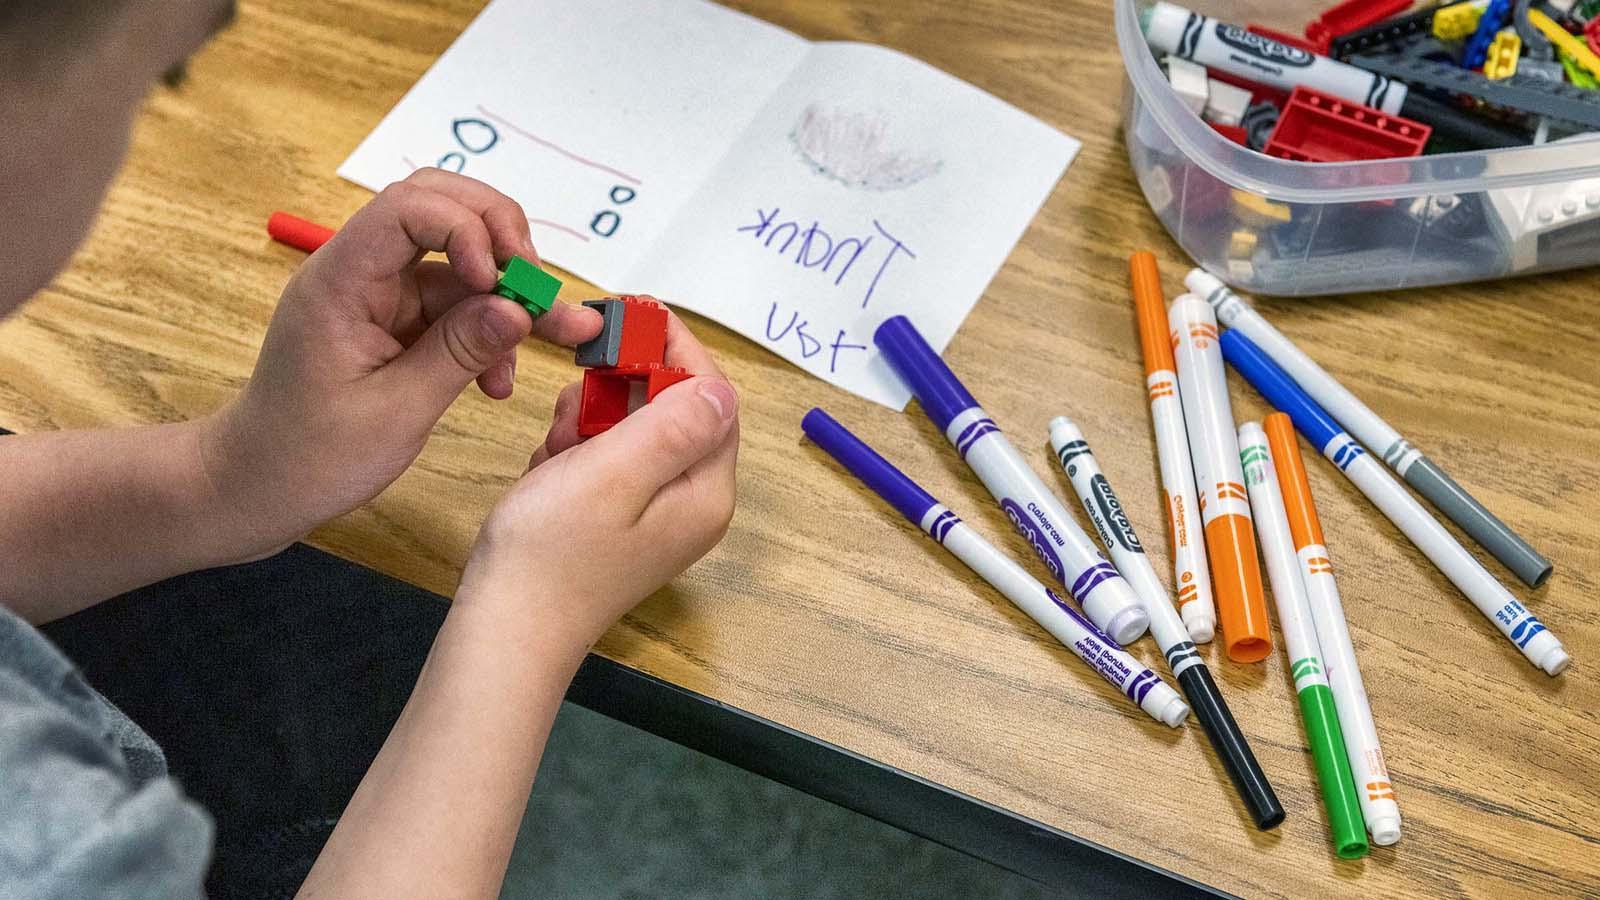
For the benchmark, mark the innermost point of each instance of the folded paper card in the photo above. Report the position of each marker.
(798, 192)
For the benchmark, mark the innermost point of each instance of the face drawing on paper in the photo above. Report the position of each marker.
(853, 149)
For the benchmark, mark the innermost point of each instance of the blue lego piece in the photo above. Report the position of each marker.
(1494, 18)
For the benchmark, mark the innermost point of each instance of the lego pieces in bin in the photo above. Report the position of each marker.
(1351, 15)
(1535, 221)
(1537, 46)
(1525, 93)
(1504, 52)
(1568, 44)
(626, 361)
(1258, 122)
(1493, 19)
(1457, 21)
(1318, 127)
(1384, 35)
(1189, 82)
(1225, 104)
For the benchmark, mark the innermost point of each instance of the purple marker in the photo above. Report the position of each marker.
(1063, 547)
(1053, 614)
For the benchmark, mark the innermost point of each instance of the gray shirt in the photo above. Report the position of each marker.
(86, 807)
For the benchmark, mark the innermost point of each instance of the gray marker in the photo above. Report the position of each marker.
(1407, 461)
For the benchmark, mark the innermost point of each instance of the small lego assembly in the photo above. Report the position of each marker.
(626, 361)
(1318, 127)
(527, 284)
(1494, 18)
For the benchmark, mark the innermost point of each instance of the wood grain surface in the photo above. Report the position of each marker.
(823, 610)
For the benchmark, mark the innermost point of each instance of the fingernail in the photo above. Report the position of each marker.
(720, 395)
(509, 373)
(493, 266)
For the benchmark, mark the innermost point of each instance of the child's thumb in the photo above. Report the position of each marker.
(463, 343)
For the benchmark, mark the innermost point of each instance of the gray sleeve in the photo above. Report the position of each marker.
(74, 820)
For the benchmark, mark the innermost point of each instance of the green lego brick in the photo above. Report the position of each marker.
(528, 285)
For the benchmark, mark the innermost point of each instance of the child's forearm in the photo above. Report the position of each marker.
(437, 813)
(86, 515)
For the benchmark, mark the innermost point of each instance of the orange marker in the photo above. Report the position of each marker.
(1191, 575)
(1224, 505)
(1375, 791)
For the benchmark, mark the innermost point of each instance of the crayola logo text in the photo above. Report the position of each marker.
(1262, 47)
(1035, 537)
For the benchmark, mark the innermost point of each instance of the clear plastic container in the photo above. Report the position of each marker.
(1272, 226)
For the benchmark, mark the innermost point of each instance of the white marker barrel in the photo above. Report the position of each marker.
(1239, 51)
(1224, 504)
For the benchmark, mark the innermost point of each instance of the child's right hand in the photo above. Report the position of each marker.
(594, 527)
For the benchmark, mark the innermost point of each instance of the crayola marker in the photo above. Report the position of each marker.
(1190, 573)
(1373, 787)
(1520, 626)
(1230, 539)
(1053, 614)
(1398, 454)
(1035, 512)
(1235, 49)
(1117, 534)
(1300, 643)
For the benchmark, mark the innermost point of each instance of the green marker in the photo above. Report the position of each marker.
(528, 285)
(1300, 641)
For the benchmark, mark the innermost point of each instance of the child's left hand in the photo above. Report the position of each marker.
(368, 347)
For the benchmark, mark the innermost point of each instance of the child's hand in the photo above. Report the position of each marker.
(595, 527)
(368, 347)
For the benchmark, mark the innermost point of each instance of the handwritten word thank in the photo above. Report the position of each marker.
(811, 247)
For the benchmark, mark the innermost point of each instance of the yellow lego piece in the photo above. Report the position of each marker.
(1503, 54)
(1457, 21)
(1568, 44)
(1242, 244)
(1254, 209)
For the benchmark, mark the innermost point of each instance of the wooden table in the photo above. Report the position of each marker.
(825, 613)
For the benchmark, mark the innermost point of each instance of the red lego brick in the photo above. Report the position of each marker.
(1235, 133)
(611, 393)
(1591, 33)
(626, 361)
(1283, 37)
(1316, 127)
(1351, 15)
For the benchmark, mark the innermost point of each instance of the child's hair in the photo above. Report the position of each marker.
(36, 35)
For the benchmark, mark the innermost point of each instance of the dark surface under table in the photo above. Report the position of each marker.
(272, 685)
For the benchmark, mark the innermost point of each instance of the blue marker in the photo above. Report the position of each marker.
(1491, 598)
(1035, 512)
(1053, 614)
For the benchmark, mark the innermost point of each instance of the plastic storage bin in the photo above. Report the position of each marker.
(1272, 226)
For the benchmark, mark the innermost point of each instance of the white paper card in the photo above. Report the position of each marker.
(799, 193)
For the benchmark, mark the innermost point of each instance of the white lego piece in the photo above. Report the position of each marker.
(1563, 6)
(1189, 81)
(1226, 103)
(1524, 215)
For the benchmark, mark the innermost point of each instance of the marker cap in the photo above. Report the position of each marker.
(1279, 389)
(1241, 606)
(863, 462)
(1292, 481)
(1333, 772)
(941, 394)
(1150, 308)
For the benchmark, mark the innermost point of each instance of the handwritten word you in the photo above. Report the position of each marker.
(811, 247)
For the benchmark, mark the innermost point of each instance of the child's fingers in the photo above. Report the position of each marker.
(684, 349)
(568, 324)
(386, 236)
(660, 441)
(563, 433)
(467, 341)
(500, 379)
(506, 221)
